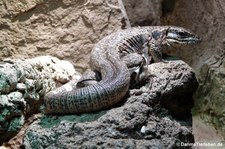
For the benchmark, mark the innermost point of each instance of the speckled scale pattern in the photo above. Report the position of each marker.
(106, 59)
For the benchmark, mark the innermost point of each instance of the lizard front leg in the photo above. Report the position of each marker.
(155, 44)
(137, 66)
(156, 53)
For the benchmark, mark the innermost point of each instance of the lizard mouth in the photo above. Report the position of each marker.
(182, 37)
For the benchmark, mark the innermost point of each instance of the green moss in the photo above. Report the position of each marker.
(16, 124)
(35, 142)
(48, 121)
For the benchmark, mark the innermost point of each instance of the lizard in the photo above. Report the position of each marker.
(108, 59)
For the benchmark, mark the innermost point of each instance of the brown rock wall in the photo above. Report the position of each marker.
(66, 29)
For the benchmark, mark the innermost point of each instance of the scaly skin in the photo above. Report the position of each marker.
(107, 59)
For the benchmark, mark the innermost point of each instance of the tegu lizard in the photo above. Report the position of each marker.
(110, 59)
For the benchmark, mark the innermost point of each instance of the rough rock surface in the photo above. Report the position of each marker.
(66, 29)
(146, 119)
(206, 18)
(143, 12)
(23, 83)
(207, 59)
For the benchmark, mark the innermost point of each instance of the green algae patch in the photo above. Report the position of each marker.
(16, 124)
(48, 121)
(36, 142)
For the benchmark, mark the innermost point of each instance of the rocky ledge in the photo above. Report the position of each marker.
(157, 115)
(23, 83)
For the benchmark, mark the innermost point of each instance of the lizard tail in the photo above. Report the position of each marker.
(107, 92)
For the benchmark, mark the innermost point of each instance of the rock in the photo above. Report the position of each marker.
(8, 79)
(23, 84)
(144, 12)
(144, 120)
(65, 29)
(212, 103)
(68, 29)
(174, 95)
(207, 58)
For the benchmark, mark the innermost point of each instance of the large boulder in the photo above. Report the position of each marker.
(23, 85)
(208, 58)
(155, 115)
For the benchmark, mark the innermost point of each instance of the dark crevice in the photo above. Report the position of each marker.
(168, 7)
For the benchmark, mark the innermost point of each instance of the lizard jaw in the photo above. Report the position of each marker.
(183, 41)
(181, 36)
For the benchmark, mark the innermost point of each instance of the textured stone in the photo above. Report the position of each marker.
(143, 12)
(207, 59)
(23, 84)
(66, 29)
(175, 95)
(142, 121)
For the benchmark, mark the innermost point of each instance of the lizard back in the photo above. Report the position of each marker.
(106, 59)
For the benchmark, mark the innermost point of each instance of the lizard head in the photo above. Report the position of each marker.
(179, 35)
(174, 35)
(168, 36)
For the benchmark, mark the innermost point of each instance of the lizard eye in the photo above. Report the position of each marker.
(156, 35)
(183, 34)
